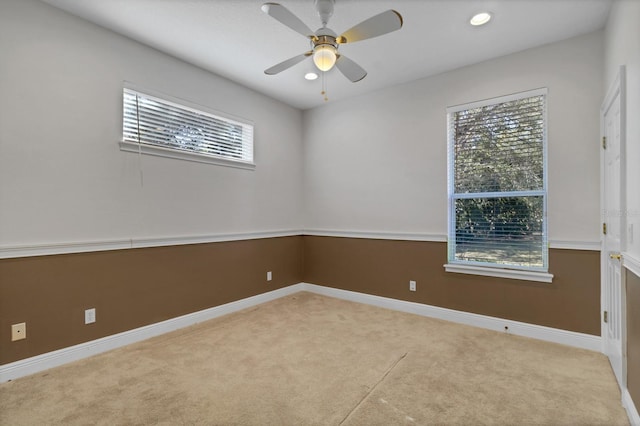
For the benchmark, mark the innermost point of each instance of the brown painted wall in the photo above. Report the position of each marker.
(132, 288)
(633, 337)
(384, 268)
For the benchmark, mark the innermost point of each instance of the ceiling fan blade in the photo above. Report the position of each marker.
(287, 64)
(350, 69)
(287, 18)
(375, 26)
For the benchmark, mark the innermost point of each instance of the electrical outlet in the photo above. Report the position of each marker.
(18, 331)
(269, 276)
(412, 286)
(90, 316)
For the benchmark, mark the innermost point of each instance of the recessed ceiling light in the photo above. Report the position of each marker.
(480, 18)
(311, 76)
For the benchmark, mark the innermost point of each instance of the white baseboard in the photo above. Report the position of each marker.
(570, 338)
(48, 360)
(632, 411)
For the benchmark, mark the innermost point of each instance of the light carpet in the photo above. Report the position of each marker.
(308, 359)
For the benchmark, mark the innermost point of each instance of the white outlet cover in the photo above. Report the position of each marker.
(90, 316)
(269, 276)
(412, 286)
(18, 331)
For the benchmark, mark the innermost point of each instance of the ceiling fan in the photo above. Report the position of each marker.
(325, 42)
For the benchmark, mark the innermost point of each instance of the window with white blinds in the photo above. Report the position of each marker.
(497, 182)
(158, 126)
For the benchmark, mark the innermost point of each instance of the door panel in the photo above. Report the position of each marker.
(612, 241)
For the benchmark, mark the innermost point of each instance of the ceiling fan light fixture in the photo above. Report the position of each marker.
(324, 57)
(480, 19)
(324, 42)
(311, 76)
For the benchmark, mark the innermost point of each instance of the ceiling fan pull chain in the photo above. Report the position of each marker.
(324, 87)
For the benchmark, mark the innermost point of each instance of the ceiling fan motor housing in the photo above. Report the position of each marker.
(325, 36)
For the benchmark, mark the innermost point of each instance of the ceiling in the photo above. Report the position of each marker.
(236, 40)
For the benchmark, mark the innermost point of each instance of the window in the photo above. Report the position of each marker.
(169, 128)
(497, 187)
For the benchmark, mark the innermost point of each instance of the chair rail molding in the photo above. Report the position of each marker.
(7, 252)
(631, 262)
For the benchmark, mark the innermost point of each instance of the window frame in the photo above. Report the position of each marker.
(169, 152)
(529, 273)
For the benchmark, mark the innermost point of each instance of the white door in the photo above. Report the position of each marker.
(613, 222)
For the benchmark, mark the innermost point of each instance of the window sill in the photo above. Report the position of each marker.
(180, 155)
(500, 273)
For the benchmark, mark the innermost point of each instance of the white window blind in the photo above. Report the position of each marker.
(497, 182)
(163, 127)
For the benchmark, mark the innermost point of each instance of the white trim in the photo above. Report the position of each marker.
(7, 252)
(543, 91)
(48, 360)
(184, 103)
(215, 238)
(575, 245)
(158, 151)
(172, 152)
(404, 236)
(469, 195)
(617, 89)
(453, 196)
(631, 263)
(499, 272)
(555, 335)
(632, 411)
(438, 238)
(59, 357)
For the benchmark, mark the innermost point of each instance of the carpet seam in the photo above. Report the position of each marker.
(384, 376)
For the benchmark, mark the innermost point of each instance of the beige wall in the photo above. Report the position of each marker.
(381, 166)
(63, 178)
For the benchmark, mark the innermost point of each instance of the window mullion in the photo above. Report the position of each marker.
(467, 195)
